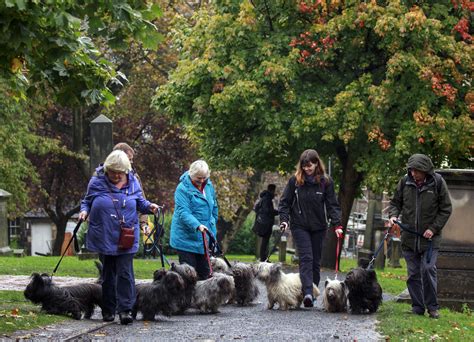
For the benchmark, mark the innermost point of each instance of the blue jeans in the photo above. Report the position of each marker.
(422, 280)
(309, 245)
(118, 283)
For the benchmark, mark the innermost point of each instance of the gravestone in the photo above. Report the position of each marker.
(373, 230)
(456, 255)
(4, 248)
(101, 141)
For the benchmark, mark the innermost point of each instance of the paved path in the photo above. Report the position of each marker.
(253, 323)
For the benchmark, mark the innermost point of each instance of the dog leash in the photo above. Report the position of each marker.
(407, 229)
(371, 263)
(78, 225)
(206, 253)
(275, 246)
(338, 250)
(215, 249)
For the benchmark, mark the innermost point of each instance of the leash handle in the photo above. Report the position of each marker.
(206, 253)
(78, 225)
(406, 228)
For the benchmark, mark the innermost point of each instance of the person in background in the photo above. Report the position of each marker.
(422, 200)
(307, 197)
(113, 197)
(195, 212)
(264, 218)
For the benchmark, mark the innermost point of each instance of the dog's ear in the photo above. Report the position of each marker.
(343, 286)
(159, 274)
(326, 283)
(371, 274)
(275, 267)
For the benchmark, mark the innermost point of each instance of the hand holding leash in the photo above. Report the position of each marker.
(338, 230)
(283, 226)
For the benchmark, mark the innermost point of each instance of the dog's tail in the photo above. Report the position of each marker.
(100, 269)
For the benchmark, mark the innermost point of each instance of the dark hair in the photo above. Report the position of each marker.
(271, 187)
(306, 157)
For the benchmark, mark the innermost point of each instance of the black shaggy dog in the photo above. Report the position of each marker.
(189, 275)
(162, 295)
(56, 300)
(364, 291)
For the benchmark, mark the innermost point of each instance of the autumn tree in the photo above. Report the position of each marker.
(367, 82)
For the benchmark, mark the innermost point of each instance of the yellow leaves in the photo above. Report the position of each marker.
(15, 312)
(16, 65)
(415, 18)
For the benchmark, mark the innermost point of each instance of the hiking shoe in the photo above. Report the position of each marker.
(433, 314)
(107, 317)
(125, 317)
(308, 301)
(415, 312)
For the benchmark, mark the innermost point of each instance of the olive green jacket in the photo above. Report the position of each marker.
(426, 207)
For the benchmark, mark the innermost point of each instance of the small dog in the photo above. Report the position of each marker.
(284, 289)
(219, 265)
(189, 276)
(334, 296)
(162, 295)
(209, 294)
(56, 300)
(365, 293)
(246, 289)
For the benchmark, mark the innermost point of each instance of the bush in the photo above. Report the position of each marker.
(245, 239)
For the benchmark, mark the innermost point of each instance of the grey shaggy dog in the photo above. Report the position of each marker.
(282, 288)
(246, 289)
(190, 277)
(364, 291)
(209, 294)
(160, 296)
(73, 300)
(334, 296)
(219, 265)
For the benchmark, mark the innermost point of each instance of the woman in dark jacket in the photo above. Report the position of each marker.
(265, 216)
(307, 198)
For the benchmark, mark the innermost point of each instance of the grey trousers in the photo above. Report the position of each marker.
(422, 281)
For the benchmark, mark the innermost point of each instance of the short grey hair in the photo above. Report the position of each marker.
(199, 168)
(117, 161)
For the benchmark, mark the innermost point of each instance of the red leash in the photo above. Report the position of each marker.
(206, 252)
(338, 247)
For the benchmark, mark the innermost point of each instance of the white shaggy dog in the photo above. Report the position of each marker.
(334, 296)
(219, 265)
(282, 288)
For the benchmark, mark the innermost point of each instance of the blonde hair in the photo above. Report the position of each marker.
(199, 168)
(117, 161)
(313, 157)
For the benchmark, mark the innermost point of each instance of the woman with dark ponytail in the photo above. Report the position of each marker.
(307, 203)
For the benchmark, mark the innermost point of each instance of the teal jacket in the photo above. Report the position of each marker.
(192, 208)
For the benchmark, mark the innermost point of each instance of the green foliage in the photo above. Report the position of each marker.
(244, 241)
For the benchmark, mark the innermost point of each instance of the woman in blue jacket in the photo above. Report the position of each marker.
(195, 212)
(113, 197)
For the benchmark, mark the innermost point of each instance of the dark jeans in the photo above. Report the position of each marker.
(118, 284)
(309, 245)
(264, 247)
(198, 261)
(422, 280)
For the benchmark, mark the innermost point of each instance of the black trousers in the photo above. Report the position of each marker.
(198, 261)
(309, 245)
(264, 247)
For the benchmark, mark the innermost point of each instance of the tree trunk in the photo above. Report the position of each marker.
(226, 229)
(349, 184)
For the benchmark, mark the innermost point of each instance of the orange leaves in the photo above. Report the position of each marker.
(462, 27)
(443, 89)
(377, 134)
(311, 46)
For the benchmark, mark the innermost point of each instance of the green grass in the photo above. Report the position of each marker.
(18, 314)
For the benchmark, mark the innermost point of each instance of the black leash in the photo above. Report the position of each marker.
(78, 225)
(275, 246)
(215, 249)
(407, 229)
(157, 232)
(371, 263)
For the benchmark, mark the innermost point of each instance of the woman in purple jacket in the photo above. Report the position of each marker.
(112, 199)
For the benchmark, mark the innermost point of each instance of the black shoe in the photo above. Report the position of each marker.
(308, 301)
(433, 314)
(125, 317)
(108, 317)
(419, 313)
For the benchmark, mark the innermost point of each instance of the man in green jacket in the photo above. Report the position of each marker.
(422, 200)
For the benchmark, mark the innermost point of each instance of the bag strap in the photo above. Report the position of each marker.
(121, 220)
